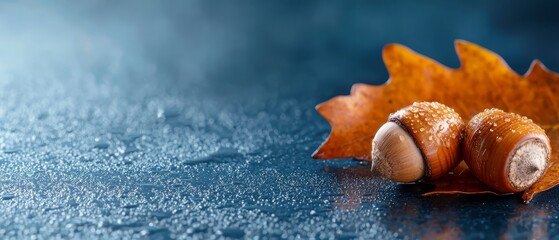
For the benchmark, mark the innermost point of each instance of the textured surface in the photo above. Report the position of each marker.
(196, 120)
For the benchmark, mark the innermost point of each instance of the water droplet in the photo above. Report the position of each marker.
(416, 115)
(507, 120)
(499, 139)
(233, 232)
(7, 196)
(491, 130)
(101, 145)
(422, 129)
(11, 150)
(494, 124)
(430, 138)
(513, 130)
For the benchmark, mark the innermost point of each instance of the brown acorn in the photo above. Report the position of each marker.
(506, 151)
(419, 142)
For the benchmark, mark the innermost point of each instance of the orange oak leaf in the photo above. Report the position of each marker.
(484, 80)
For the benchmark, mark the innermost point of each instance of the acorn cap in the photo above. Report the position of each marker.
(435, 131)
(506, 151)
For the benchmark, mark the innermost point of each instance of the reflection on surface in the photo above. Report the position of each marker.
(404, 211)
(527, 222)
(350, 186)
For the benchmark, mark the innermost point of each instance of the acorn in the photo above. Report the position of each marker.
(419, 142)
(506, 151)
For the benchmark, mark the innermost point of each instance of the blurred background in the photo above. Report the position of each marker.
(248, 47)
(195, 119)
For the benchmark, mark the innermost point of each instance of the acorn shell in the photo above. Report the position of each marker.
(437, 131)
(499, 146)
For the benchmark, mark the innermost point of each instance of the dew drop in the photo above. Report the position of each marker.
(7, 196)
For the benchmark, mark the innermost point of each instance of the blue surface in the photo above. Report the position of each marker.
(195, 119)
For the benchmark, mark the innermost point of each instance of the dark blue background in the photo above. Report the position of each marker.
(195, 119)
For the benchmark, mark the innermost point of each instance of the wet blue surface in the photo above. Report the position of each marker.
(195, 119)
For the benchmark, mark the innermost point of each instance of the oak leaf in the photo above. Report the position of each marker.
(484, 80)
